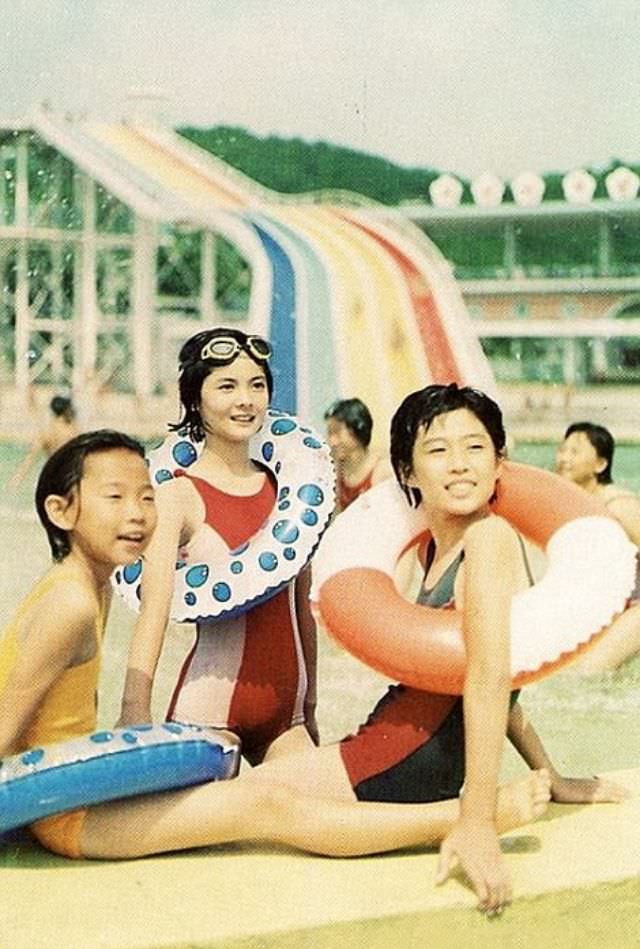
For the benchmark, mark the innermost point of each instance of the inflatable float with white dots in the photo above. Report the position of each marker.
(214, 582)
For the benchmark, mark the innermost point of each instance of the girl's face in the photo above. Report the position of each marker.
(454, 465)
(234, 399)
(112, 512)
(342, 442)
(578, 460)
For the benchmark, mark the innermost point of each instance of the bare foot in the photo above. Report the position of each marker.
(587, 791)
(521, 802)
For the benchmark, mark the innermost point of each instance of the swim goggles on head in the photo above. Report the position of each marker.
(226, 347)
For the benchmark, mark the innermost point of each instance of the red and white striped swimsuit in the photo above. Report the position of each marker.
(248, 673)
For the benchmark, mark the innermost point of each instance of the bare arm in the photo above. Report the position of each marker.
(20, 472)
(308, 635)
(528, 744)
(156, 594)
(491, 580)
(526, 740)
(626, 510)
(48, 646)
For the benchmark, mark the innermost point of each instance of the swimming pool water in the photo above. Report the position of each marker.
(626, 461)
(626, 467)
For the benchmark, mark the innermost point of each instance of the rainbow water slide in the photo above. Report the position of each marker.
(356, 300)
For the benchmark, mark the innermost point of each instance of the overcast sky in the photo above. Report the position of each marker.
(495, 85)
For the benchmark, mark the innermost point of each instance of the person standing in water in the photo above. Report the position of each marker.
(358, 466)
(585, 457)
(60, 428)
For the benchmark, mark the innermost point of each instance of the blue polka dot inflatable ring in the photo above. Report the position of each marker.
(109, 765)
(217, 583)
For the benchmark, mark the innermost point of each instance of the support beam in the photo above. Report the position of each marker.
(85, 302)
(143, 306)
(604, 247)
(208, 308)
(509, 258)
(22, 316)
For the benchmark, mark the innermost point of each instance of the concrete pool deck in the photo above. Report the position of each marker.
(257, 896)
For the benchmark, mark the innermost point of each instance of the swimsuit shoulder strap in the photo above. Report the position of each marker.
(527, 565)
(441, 593)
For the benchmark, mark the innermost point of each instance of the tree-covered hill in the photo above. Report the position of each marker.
(295, 166)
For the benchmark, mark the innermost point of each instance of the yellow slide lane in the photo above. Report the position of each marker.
(372, 319)
(170, 171)
(350, 304)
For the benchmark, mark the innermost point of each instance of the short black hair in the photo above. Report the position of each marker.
(355, 415)
(193, 370)
(602, 441)
(63, 471)
(418, 412)
(61, 405)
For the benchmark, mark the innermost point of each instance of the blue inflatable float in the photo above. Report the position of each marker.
(108, 765)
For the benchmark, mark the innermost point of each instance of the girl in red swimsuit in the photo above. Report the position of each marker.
(255, 673)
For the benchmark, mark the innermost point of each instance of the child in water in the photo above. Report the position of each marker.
(358, 466)
(255, 674)
(97, 506)
(586, 457)
(61, 427)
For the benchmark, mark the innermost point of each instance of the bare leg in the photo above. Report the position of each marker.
(292, 742)
(253, 807)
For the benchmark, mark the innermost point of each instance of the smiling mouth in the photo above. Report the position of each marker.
(136, 538)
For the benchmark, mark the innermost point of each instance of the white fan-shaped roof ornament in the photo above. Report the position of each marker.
(578, 186)
(527, 189)
(487, 190)
(445, 191)
(622, 184)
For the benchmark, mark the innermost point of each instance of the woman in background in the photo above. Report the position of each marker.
(586, 458)
(358, 466)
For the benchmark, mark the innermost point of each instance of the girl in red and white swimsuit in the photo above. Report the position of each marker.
(254, 673)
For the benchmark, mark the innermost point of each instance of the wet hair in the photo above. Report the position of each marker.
(602, 441)
(63, 472)
(62, 407)
(355, 415)
(193, 370)
(418, 411)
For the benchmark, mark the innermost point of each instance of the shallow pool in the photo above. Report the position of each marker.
(626, 461)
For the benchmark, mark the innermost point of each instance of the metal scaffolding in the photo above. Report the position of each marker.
(95, 285)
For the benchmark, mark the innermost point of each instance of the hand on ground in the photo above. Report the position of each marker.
(475, 847)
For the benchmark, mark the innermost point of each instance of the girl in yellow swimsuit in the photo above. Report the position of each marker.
(97, 505)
